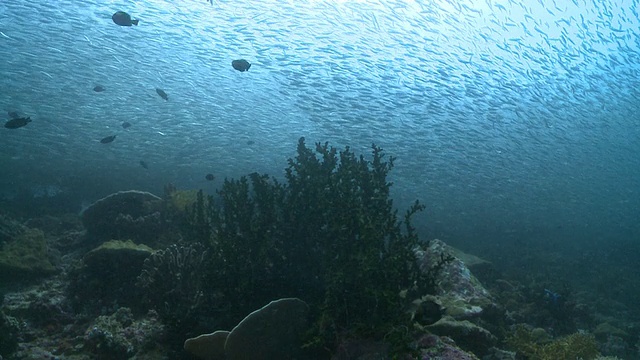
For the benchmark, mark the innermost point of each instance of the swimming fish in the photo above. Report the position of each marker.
(209, 177)
(551, 296)
(123, 19)
(162, 94)
(126, 124)
(99, 88)
(17, 122)
(108, 139)
(241, 65)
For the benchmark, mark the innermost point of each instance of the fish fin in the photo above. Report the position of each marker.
(135, 22)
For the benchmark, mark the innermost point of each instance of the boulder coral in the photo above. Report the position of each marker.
(132, 214)
(271, 332)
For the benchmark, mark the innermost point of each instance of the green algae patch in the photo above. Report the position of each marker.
(113, 250)
(534, 345)
(25, 256)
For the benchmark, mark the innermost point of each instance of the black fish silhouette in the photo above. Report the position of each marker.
(108, 139)
(162, 94)
(241, 65)
(123, 19)
(17, 122)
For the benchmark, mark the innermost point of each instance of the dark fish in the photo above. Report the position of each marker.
(126, 124)
(209, 177)
(13, 114)
(108, 139)
(144, 164)
(123, 19)
(162, 94)
(17, 122)
(241, 65)
(99, 88)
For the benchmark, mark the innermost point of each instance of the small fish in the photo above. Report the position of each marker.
(126, 125)
(108, 139)
(551, 296)
(209, 177)
(162, 94)
(17, 122)
(99, 88)
(241, 65)
(144, 164)
(123, 19)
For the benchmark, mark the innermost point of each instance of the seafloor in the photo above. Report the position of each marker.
(73, 287)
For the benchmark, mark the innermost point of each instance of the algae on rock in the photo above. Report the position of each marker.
(26, 256)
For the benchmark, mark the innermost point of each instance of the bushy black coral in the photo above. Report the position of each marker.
(328, 235)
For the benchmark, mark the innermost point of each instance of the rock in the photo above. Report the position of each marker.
(130, 214)
(271, 332)
(466, 334)
(25, 256)
(208, 346)
(458, 291)
(56, 225)
(108, 275)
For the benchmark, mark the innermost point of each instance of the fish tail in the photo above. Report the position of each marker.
(135, 22)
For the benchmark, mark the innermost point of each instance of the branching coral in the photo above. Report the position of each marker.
(171, 283)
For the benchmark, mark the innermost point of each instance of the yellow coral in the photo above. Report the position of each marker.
(181, 199)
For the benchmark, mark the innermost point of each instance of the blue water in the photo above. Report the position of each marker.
(509, 119)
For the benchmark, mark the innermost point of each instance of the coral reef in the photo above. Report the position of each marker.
(121, 336)
(328, 234)
(535, 344)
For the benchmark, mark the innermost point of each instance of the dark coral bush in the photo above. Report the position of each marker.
(328, 234)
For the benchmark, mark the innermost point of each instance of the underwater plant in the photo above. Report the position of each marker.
(329, 235)
(171, 284)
